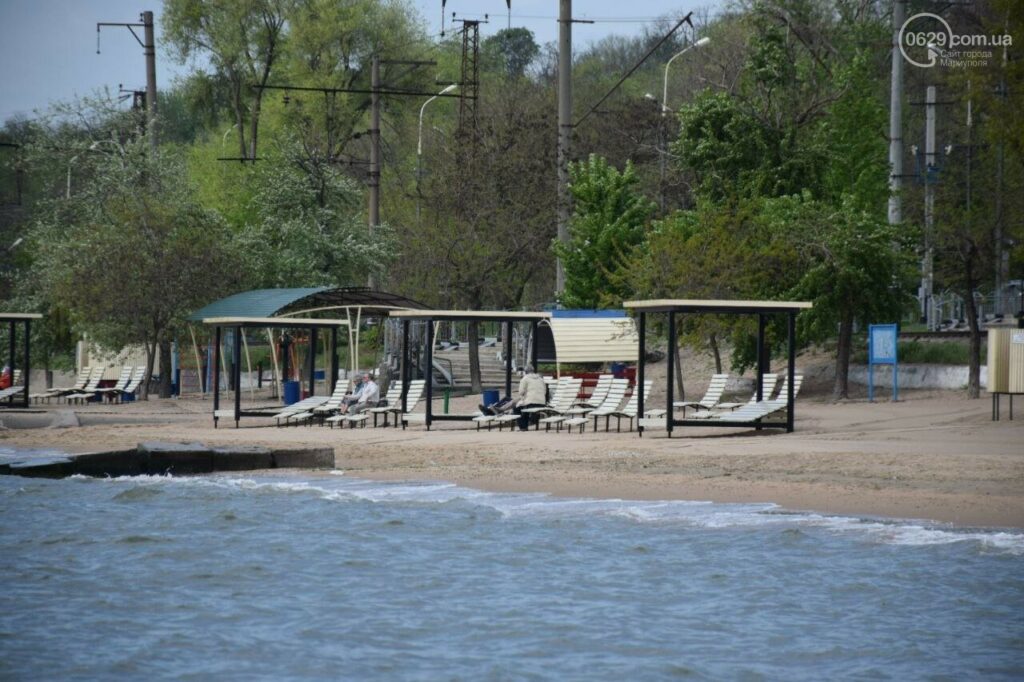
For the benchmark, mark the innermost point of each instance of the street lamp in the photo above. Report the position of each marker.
(419, 141)
(419, 145)
(664, 91)
(662, 152)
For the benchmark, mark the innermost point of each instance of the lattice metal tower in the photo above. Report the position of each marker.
(470, 80)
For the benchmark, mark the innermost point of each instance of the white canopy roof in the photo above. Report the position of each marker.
(594, 339)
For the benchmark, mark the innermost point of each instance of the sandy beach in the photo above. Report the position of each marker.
(933, 455)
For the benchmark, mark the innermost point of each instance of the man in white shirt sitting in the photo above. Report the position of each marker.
(366, 397)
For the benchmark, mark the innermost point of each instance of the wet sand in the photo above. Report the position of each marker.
(934, 455)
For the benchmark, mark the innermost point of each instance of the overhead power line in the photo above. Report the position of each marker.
(684, 20)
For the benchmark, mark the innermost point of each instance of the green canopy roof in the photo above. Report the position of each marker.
(273, 302)
(255, 303)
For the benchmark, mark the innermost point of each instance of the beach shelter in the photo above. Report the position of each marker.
(283, 323)
(430, 318)
(13, 321)
(352, 303)
(675, 307)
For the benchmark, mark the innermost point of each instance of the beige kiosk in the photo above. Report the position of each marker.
(1005, 366)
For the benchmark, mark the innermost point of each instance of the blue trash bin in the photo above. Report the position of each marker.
(491, 396)
(291, 392)
(618, 369)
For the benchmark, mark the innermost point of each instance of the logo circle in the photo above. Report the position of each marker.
(931, 53)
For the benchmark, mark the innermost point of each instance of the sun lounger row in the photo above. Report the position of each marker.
(327, 410)
(87, 386)
(566, 409)
(754, 409)
(711, 403)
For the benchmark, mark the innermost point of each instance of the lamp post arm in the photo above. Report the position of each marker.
(419, 140)
(664, 89)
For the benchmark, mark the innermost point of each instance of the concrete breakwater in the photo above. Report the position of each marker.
(157, 458)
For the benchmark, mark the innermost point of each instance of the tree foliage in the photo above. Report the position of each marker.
(608, 220)
(515, 48)
(131, 254)
(243, 42)
(309, 229)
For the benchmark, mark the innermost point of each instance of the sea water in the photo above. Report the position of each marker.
(319, 576)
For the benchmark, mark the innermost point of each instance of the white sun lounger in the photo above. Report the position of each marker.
(80, 382)
(90, 387)
(752, 412)
(579, 415)
(768, 382)
(711, 397)
(302, 407)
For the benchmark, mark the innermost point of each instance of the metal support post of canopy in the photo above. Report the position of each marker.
(237, 325)
(430, 317)
(673, 307)
(13, 320)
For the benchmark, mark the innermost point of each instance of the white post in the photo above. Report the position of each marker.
(927, 267)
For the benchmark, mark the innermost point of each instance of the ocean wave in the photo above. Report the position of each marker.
(679, 513)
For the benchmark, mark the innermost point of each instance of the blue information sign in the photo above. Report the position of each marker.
(882, 351)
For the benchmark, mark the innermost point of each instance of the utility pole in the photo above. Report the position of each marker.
(927, 263)
(899, 11)
(374, 152)
(1002, 253)
(148, 43)
(149, 50)
(564, 132)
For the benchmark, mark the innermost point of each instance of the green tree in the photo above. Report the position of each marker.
(980, 189)
(487, 211)
(309, 228)
(608, 220)
(130, 255)
(243, 40)
(716, 251)
(515, 48)
(855, 268)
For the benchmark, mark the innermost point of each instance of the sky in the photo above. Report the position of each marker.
(48, 47)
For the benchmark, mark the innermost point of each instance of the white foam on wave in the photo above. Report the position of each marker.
(914, 534)
(670, 513)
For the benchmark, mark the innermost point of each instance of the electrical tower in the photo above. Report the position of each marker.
(469, 81)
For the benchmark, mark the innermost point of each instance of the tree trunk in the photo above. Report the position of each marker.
(150, 356)
(717, 352)
(974, 348)
(840, 390)
(254, 123)
(474, 357)
(165, 369)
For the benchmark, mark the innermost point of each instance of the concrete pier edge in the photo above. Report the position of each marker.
(162, 458)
